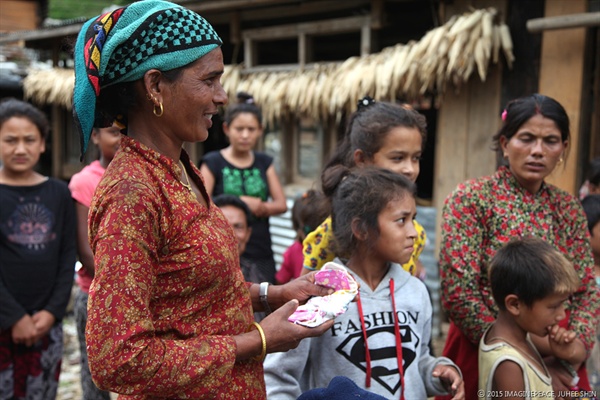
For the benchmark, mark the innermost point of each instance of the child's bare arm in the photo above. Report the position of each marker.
(565, 345)
(508, 379)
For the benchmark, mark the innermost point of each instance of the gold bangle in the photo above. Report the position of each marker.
(263, 340)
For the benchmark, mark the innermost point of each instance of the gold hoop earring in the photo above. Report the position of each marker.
(149, 96)
(160, 107)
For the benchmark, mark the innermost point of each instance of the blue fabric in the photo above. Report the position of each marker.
(120, 46)
(340, 388)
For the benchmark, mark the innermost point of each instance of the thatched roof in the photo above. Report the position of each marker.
(50, 86)
(452, 53)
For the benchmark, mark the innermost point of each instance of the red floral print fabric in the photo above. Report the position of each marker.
(483, 214)
(168, 293)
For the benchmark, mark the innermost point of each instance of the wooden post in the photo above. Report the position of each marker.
(365, 39)
(377, 14)
(235, 28)
(467, 120)
(563, 21)
(302, 50)
(561, 77)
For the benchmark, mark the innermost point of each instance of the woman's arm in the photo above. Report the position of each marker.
(301, 289)
(280, 334)
(277, 205)
(66, 232)
(460, 265)
(125, 352)
(86, 257)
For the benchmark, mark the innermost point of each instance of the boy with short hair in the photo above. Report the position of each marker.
(531, 281)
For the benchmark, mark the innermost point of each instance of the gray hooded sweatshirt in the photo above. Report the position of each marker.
(341, 351)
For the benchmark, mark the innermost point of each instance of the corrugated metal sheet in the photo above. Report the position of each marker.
(282, 233)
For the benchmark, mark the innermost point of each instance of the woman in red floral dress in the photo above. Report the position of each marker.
(480, 215)
(169, 312)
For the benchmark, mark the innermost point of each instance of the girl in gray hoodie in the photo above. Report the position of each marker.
(381, 341)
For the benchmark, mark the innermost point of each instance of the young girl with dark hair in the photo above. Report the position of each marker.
(381, 341)
(381, 134)
(241, 171)
(37, 258)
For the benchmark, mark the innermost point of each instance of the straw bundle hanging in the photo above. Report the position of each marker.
(453, 52)
(52, 86)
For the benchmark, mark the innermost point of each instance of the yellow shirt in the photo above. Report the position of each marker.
(316, 247)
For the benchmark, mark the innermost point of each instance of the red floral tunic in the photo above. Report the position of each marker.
(478, 218)
(168, 293)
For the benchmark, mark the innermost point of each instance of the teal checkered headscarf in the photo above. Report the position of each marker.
(121, 45)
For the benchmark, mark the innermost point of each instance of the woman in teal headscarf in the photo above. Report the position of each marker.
(170, 315)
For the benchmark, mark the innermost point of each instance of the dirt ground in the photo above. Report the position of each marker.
(69, 386)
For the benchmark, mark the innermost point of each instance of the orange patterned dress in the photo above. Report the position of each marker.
(168, 294)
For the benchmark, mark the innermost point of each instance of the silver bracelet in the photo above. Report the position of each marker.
(262, 296)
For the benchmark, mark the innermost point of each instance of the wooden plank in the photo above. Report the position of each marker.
(451, 144)
(18, 15)
(41, 34)
(268, 9)
(484, 121)
(365, 40)
(290, 151)
(302, 50)
(280, 68)
(221, 15)
(220, 5)
(563, 22)
(467, 120)
(336, 25)
(235, 28)
(377, 14)
(249, 53)
(450, 149)
(561, 77)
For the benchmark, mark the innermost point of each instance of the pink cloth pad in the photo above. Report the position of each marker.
(320, 309)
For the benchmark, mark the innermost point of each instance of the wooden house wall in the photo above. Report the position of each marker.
(562, 67)
(19, 15)
(468, 118)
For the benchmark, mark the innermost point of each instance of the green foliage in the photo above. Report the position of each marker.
(68, 9)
